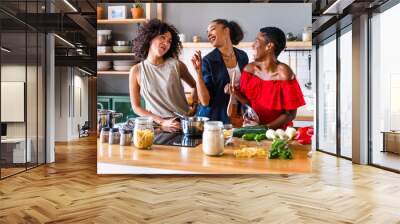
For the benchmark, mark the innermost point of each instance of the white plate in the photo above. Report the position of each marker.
(104, 49)
(122, 68)
(124, 62)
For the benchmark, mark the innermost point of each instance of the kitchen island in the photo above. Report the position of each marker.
(116, 159)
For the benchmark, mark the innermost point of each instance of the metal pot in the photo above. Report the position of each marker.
(193, 126)
(106, 118)
(103, 39)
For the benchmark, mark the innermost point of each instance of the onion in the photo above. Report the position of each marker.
(290, 132)
(281, 133)
(270, 134)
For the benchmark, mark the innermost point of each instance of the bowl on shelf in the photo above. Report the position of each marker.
(122, 49)
(104, 49)
(122, 43)
(123, 62)
(122, 67)
(103, 65)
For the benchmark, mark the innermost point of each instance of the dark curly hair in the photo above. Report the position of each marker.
(276, 36)
(151, 29)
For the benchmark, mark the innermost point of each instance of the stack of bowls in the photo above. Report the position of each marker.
(122, 46)
(104, 65)
(123, 65)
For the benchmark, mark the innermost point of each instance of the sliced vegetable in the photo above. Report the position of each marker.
(260, 137)
(249, 136)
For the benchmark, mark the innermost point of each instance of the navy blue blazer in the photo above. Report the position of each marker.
(215, 75)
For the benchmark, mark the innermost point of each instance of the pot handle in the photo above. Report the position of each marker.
(117, 115)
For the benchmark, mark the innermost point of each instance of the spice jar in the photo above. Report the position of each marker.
(213, 138)
(196, 39)
(126, 137)
(114, 136)
(104, 135)
(307, 34)
(143, 134)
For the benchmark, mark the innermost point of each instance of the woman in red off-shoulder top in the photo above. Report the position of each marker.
(269, 86)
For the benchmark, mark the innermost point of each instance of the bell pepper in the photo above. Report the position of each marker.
(303, 135)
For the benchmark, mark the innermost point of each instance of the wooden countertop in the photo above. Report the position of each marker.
(115, 159)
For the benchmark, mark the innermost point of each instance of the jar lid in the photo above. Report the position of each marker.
(126, 131)
(143, 120)
(114, 129)
(105, 129)
(213, 125)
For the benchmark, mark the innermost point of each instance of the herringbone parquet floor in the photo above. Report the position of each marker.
(69, 191)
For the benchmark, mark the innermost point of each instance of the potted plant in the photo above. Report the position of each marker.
(99, 10)
(137, 10)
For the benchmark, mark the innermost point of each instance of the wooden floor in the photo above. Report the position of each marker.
(387, 159)
(69, 191)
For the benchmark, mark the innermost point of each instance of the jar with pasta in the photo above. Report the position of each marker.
(143, 135)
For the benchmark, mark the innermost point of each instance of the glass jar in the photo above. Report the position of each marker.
(143, 135)
(114, 136)
(307, 34)
(126, 137)
(213, 138)
(104, 135)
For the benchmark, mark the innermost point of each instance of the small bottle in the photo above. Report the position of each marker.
(114, 136)
(126, 137)
(104, 135)
(307, 34)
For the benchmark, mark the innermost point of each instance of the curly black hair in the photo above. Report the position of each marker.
(276, 36)
(150, 30)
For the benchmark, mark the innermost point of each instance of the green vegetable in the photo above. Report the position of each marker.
(260, 137)
(280, 149)
(249, 136)
(239, 132)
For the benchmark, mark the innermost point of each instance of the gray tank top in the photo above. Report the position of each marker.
(162, 89)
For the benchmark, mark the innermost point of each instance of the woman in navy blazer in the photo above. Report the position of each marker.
(218, 65)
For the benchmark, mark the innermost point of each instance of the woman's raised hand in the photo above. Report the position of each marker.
(196, 60)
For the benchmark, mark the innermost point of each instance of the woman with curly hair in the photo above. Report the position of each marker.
(157, 78)
(220, 69)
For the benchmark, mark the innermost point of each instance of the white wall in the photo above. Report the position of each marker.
(193, 18)
(33, 127)
(71, 102)
(16, 73)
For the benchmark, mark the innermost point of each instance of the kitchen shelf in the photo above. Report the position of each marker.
(304, 118)
(116, 54)
(289, 45)
(120, 21)
(111, 72)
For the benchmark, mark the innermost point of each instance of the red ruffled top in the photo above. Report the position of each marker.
(270, 98)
